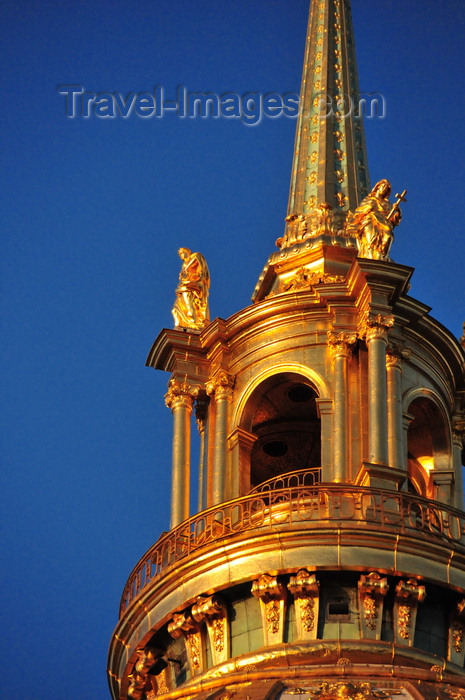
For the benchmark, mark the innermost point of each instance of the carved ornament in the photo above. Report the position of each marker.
(341, 342)
(458, 634)
(372, 589)
(344, 690)
(139, 678)
(180, 624)
(272, 596)
(180, 395)
(221, 385)
(408, 594)
(458, 429)
(455, 693)
(305, 589)
(193, 650)
(396, 353)
(303, 278)
(268, 587)
(375, 327)
(213, 611)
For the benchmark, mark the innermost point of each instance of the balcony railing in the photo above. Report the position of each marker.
(295, 508)
(302, 477)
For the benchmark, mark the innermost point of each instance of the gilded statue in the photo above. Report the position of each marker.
(190, 308)
(372, 223)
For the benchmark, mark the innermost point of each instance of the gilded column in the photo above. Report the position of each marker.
(395, 427)
(376, 340)
(180, 398)
(341, 348)
(201, 407)
(221, 387)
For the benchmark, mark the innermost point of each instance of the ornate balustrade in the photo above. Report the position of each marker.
(299, 508)
(302, 477)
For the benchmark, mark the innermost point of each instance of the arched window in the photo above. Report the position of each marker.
(428, 445)
(283, 416)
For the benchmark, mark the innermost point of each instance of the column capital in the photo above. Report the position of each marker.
(341, 343)
(221, 384)
(180, 395)
(396, 353)
(201, 408)
(375, 327)
(458, 429)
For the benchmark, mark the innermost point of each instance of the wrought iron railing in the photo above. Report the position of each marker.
(302, 477)
(298, 508)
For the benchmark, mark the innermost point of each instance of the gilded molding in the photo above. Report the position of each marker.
(371, 591)
(221, 385)
(343, 690)
(408, 595)
(303, 278)
(181, 395)
(305, 589)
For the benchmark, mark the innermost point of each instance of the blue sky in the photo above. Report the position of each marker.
(93, 212)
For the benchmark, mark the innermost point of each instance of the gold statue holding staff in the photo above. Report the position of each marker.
(373, 221)
(190, 308)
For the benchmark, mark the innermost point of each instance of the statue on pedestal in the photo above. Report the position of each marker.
(372, 223)
(190, 308)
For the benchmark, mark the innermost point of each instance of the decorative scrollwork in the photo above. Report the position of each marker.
(405, 620)
(221, 385)
(180, 394)
(458, 634)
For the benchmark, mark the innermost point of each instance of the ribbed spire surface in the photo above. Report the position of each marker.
(330, 163)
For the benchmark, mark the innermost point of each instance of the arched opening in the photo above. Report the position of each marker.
(428, 445)
(284, 418)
